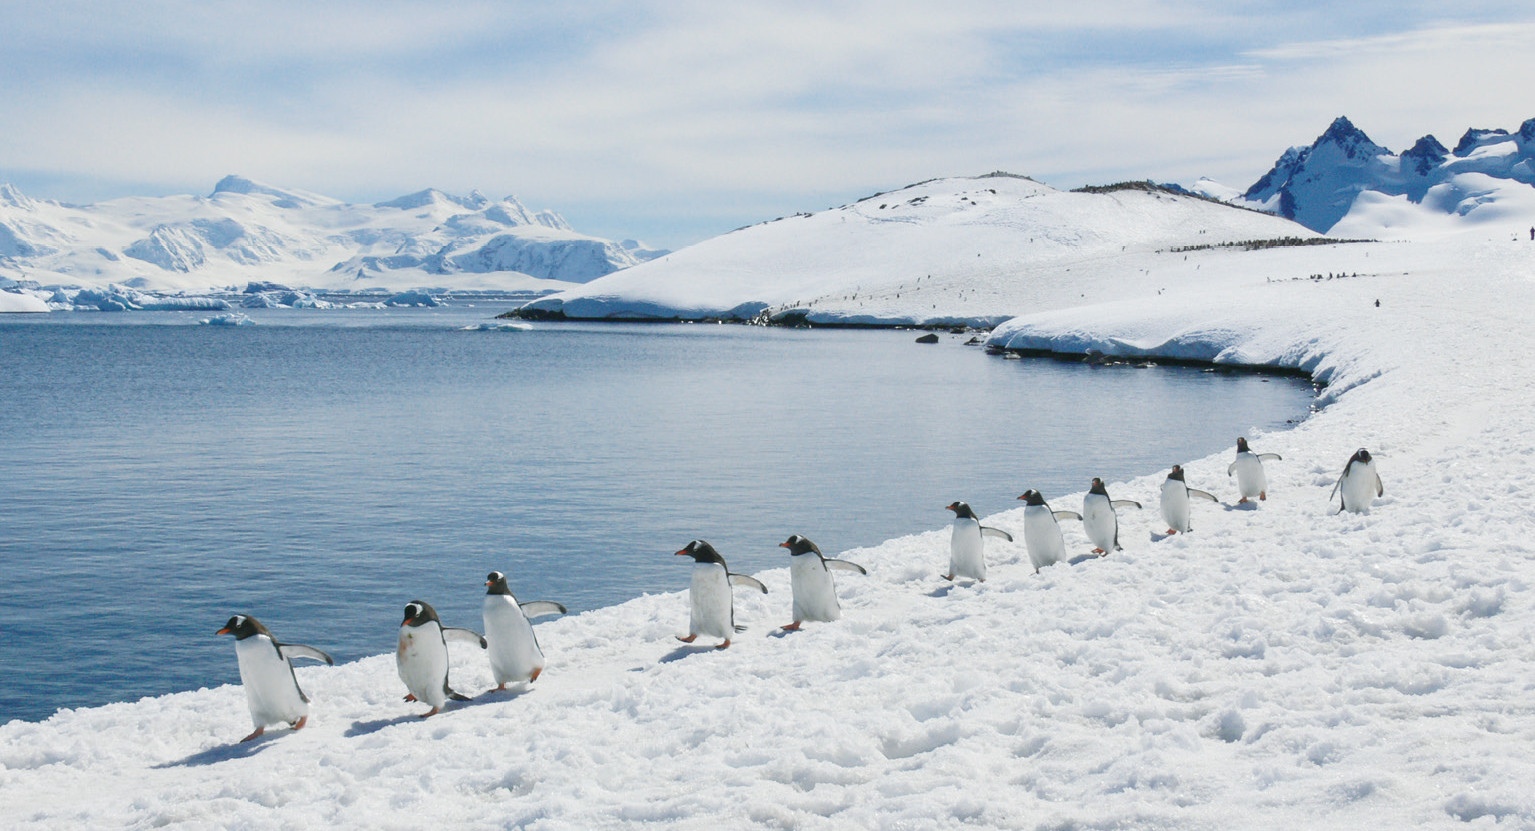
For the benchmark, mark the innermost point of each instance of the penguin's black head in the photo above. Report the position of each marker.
(702, 552)
(242, 627)
(497, 583)
(418, 612)
(799, 545)
(1242, 445)
(962, 510)
(1032, 497)
(1361, 456)
(1098, 487)
(1177, 473)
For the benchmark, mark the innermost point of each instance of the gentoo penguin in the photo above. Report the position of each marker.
(422, 656)
(1099, 519)
(815, 594)
(513, 650)
(1176, 495)
(266, 673)
(1249, 470)
(1359, 484)
(1041, 532)
(967, 549)
(713, 606)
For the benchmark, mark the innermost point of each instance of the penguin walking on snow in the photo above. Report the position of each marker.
(1099, 519)
(1176, 498)
(266, 673)
(815, 594)
(1248, 468)
(509, 641)
(712, 605)
(422, 656)
(1041, 532)
(1359, 485)
(967, 547)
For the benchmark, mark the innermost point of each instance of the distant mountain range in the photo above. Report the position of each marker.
(246, 231)
(1345, 184)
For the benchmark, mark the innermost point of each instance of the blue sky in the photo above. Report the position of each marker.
(675, 121)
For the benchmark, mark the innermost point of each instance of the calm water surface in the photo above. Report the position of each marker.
(322, 468)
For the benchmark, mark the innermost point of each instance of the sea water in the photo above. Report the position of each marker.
(322, 468)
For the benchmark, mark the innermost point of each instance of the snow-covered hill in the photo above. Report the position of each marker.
(964, 250)
(1347, 185)
(245, 231)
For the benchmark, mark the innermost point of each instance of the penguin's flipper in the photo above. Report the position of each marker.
(453, 633)
(454, 694)
(996, 532)
(844, 565)
(1380, 490)
(1231, 468)
(1195, 493)
(749, 582)
(1337, 484)
(1266, 456)
(1125, 503)
(727, 640)
(298, 650)
(1067, 515)
(539, 608)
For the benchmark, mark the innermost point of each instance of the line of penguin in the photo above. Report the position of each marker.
(274, 696)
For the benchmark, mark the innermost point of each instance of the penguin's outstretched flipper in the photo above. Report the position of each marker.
(539, 608)
(453, 633)
(1067, 515)
(298, 650)
(749, 582)
(844, 565)
(987, 531)
(1125, 503)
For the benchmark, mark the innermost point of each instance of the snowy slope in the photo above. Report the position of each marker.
(1279, 667)
(246, 231)
(950, 250)
(1347, 185)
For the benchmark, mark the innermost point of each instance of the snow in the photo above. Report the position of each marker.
(232, 319)
(1281, 665)
(15, 301)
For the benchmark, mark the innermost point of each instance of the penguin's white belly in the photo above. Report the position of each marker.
(1250, 479)
(967, 550)
(1358, 488)
(422, 659)
(1042, 536)
(509, 641)
(1100, 522)
(815, 595)
(270, 690)
(709, 595)
(1175, 505)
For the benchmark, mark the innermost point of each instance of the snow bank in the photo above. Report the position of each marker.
(14, 301)
(1278, 667)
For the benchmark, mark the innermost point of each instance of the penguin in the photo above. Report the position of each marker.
(815, 593)
(509, 641)
(1099, 519)
(1041, 532)
(967, 549)
(1248, 468)
(422, 656)
(712, 604)
(1176, 496)
(1359, 484)
(266, 673)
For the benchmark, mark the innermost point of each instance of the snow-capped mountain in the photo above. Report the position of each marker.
(1347, 185)
(962, 250)
(247, 231)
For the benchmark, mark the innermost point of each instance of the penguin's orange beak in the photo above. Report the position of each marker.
(783, 545)
(487, 582)
(683, 551)
(223, 631)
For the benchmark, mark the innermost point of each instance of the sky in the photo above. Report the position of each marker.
(675, 121)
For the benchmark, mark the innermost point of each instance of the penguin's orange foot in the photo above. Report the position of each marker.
(432, 712)
(410, 696)
(500, 687)
(302, 720)
(1263, 497)
(1240, 501)
(725, 645)
(793, 627)
(1171, 531)
(688, 639)
(536, 672)
(259, 731)
(947, 576)
(1098, 551)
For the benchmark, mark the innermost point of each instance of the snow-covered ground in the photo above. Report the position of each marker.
(1279, 667)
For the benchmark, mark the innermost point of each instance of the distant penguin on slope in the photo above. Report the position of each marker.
(422, 656)
(1248, 468)
(1176, 496)
(509, 642)
(967, 548)
(1041, 532)
(266, 673)
(1359, 484)
(1099, 519)
(815, 594)
(712, 605)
